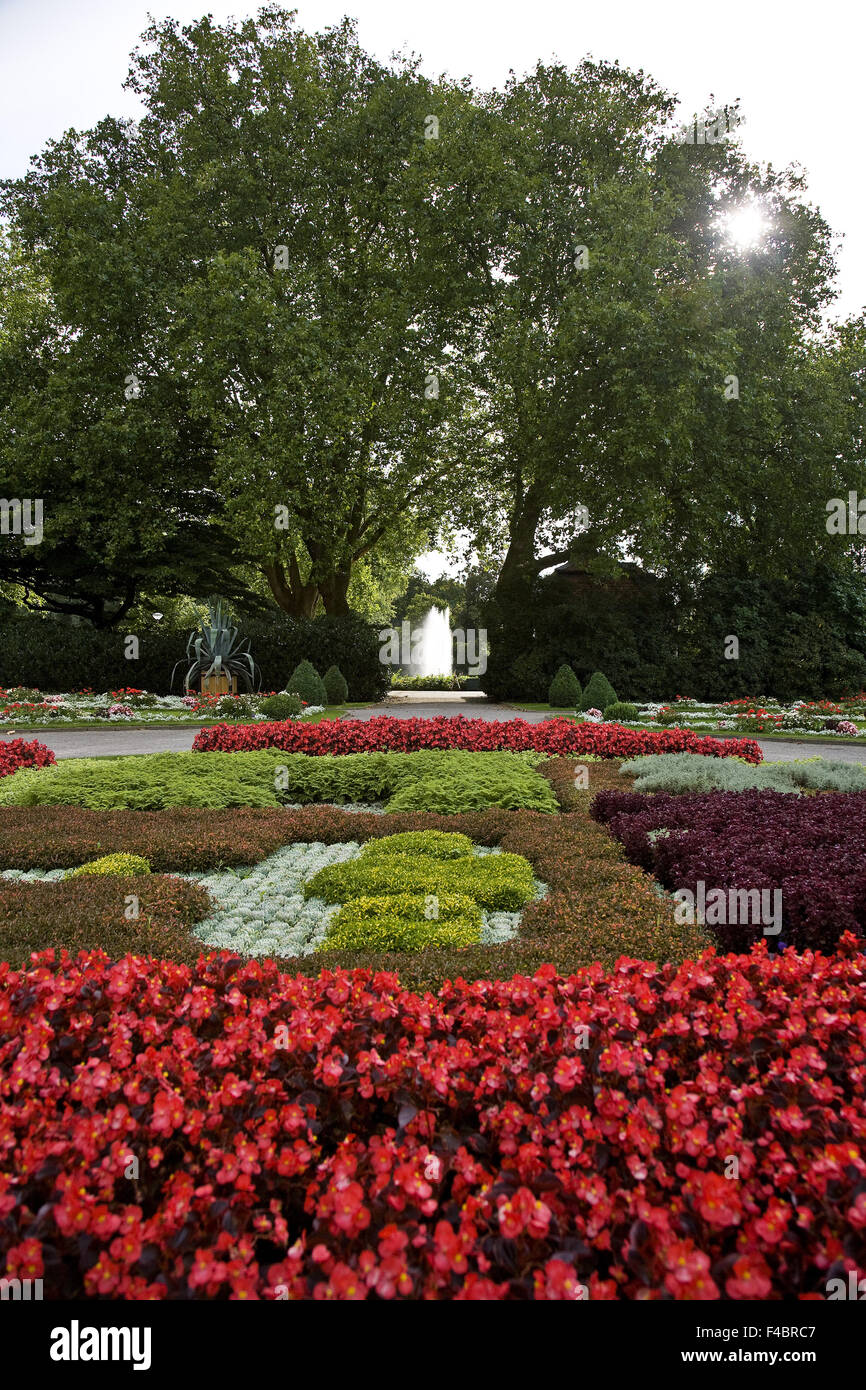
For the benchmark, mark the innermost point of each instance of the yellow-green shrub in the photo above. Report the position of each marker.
(433, 844)
(501, 882)
(397, 923)
(121, 865)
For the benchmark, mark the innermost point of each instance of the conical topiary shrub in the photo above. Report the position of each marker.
(306, 682)
(598, 693)
(564, 691)
(336, 689)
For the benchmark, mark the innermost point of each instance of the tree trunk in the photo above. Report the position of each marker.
(294, 597)
(517, 568)
(334, 591)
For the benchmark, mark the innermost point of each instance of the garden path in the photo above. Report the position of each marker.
(115, 742)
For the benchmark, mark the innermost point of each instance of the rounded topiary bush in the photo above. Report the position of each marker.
(282, 706)
(306, 682)
(336, 689)
(620, 710)
(564, 691)
(123, 865)
(598, 693)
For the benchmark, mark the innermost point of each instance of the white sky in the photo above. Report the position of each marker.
(797, 69)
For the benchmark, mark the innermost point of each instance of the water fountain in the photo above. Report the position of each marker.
(431, 645)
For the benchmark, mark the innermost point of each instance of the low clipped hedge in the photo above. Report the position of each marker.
(399, 922)
(89, 913)
(433, 844)
(449, 781)
(121, 865)
(499, 882)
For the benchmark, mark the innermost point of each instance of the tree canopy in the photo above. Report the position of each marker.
(313, 311)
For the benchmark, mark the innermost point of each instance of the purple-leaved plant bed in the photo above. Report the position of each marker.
(812, 848)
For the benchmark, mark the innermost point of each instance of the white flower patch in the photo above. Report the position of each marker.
(34, 875)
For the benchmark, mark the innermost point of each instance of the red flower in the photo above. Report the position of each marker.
(748, 1279)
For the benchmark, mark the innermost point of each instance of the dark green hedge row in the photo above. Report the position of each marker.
(54, 655)
(803, 639)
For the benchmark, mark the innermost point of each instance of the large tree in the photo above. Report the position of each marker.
(279, 240)
(123, 484)
(605, 376)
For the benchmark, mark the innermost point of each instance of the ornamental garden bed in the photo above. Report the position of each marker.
(229, 1130)
(596, 906)
(132, 708)
(803, 720)
(535, 1086)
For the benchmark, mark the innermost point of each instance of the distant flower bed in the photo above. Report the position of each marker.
(541, 1138)
(399, 681)
(764, 716)
(562, 737)
(26, 706)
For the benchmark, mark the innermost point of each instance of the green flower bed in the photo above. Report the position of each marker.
(498, 881)
(447, 781)
(402, 922)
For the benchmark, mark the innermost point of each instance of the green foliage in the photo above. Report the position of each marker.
(306, 682)
(149, 783)
(498, 882)
(399, 681)
(271, 778)
(43, 651)
(434, 844)
(237, 706)
(512, 788)
(281, 706)
(598, 693)
(403, 922)
(87, 913)
(619, 711)
(691, 772)
(336, 688)
(564, 692)
(216, 650)
(122, 865)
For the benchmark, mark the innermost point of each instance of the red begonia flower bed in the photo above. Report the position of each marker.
(683, 1132)
(386, 733)
(15, 753)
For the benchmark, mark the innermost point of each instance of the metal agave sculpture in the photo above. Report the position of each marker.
(214, 650)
